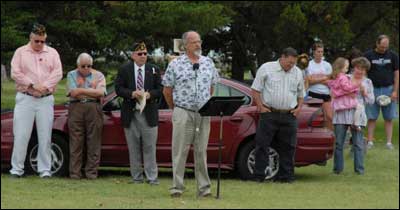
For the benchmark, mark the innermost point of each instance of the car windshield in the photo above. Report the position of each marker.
(110, 88)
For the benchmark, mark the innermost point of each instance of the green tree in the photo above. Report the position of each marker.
(260, 30)
(105, 29)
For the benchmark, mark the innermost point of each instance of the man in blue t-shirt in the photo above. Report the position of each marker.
(384, 74)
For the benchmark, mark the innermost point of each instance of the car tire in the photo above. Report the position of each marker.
(59, 156)
(246, 161)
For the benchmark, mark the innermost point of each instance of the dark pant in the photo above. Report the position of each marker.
(324, 97)
(85, 122)
(281, 128)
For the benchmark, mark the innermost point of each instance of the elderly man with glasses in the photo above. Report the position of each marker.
(86, 87)
(36, 69)
(139, 82)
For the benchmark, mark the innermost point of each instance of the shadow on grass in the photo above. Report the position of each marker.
(166, 173)
(309, 177)
(109, 172)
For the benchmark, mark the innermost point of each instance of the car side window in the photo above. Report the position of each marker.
(220, 90)
(224, 90)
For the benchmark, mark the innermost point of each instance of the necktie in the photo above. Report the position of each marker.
(139, 82)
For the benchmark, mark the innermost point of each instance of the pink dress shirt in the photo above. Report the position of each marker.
(342, 89)
(31, 67)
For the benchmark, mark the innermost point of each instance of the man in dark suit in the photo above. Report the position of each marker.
(138, 81)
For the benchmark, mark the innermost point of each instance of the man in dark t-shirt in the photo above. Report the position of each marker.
(384, 74)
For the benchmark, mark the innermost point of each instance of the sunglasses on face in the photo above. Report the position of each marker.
(39, 41)
(142, 53)
(86, 66)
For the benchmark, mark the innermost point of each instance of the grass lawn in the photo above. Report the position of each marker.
(315, 187)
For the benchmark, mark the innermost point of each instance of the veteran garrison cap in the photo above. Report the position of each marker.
(139, 46)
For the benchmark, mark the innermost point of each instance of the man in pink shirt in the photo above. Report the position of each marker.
(36, 69)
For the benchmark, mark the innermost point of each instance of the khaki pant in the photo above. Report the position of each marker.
(190, 128)
(85, 122)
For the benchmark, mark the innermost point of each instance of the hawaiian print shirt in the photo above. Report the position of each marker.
(191, 88)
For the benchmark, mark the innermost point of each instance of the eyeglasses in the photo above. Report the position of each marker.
(142, 53)
(86, 66)
(39, 41)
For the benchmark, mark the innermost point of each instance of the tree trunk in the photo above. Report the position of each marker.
(239, 55)
(238, 63)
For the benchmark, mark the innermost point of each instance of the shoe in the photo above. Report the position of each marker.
(176, 195)
(137, 182)
(153, 182)
(359, 173)
(205, 195)
(370, 144)
(45, 175)
(337, 172)
(389, 146)
(15, 176)
(91, 177)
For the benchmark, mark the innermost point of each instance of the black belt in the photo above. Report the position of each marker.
(186, 109)
(283, 111)
(85, 100)
(42, 96)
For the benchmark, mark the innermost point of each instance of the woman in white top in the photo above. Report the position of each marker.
(318, 72)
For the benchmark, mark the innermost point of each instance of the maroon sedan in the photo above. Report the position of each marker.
(314, 142)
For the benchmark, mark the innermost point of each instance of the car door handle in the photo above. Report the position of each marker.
(236, 119)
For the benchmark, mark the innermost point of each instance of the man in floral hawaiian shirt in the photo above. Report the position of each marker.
(188, 85)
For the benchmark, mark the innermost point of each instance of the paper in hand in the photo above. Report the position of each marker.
(142, 101)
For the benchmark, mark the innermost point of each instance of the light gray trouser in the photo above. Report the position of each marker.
(29, 109)
(142, 138)
(190, 128)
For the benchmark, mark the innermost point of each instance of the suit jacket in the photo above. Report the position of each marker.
(125, 84)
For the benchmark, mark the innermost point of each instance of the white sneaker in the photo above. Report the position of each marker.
(389, 146)
(45, 175)
(370, 144)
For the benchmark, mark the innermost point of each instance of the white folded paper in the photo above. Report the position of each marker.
(142, 101)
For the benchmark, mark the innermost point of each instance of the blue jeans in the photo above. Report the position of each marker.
(358, 147)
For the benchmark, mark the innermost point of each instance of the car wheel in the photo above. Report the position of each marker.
(59, 156)
(246, 162)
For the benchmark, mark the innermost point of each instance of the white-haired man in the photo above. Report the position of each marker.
(36, 69)
(188, 85)
(86, 87)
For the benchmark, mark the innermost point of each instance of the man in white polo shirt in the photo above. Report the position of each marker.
(278, 90)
